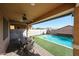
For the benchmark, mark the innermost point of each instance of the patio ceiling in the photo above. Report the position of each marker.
(34, 12)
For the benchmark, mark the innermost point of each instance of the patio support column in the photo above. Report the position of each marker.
(26, 30)
(28, 26)
(76, 31)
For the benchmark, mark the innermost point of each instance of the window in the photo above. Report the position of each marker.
(12, 27)
(5, 28)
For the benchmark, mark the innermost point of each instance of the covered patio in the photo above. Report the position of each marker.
(22, 16)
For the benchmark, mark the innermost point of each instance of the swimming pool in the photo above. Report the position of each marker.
(60, 40)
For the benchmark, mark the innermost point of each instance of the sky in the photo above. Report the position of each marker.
(56, 23)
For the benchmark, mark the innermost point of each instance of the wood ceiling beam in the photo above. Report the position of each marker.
(12, 22)
(55, 11)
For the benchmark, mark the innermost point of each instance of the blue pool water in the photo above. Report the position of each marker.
(61, 40)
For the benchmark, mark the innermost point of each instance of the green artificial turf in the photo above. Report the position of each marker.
(53, 48)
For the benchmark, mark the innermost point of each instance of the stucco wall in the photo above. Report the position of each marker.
(1, 35)
(3, 43)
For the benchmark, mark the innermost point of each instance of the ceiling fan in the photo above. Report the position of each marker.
(24, 19)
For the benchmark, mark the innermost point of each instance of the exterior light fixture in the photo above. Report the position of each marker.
(32, 4)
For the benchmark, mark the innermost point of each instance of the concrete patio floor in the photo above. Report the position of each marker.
(37, 50)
